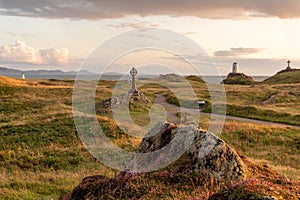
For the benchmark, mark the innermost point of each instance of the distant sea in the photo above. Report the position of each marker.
(209, 79)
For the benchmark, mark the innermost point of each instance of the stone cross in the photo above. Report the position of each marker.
(133, 73)
(289, 63)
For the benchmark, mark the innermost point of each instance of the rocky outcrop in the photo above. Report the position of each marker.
(172, 77)
(238, 78)
(208, 155)
(104, 106)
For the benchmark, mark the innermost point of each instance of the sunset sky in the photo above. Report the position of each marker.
(261, 35)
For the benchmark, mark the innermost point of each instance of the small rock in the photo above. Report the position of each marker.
(268, 198)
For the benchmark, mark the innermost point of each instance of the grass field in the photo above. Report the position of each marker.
(42, 157)
(274, 103)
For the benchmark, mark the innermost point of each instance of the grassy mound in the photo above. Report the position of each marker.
(286, 77)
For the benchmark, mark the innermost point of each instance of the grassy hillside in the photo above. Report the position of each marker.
(11, 81)
(41, 156)
(288, 77)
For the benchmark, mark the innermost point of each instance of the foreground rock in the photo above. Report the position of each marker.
(208, 155)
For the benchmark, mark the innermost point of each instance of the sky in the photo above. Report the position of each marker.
(261, 35)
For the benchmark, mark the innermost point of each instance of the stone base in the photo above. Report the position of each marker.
(134, 92)
(133, 96)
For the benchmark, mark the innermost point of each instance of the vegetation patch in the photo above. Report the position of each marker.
(287, 77)
(253, 112)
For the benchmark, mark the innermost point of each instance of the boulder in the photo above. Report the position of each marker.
(207, 155)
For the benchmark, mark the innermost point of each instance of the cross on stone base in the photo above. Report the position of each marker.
(289, 63)
(133, 73)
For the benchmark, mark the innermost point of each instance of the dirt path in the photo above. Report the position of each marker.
(173, 109)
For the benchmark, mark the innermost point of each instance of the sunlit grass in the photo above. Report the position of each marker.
(41, 155)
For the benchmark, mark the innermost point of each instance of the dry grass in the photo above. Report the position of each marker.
(36, 116)
(20, 184)
(12, 82)
(286, 97)
(275, 145)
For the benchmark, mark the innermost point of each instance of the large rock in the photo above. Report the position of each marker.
(207, 155)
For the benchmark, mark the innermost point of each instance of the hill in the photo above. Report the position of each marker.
(195, 78)
(17, 73)
(284, 77)
(6, 81)
(171, 77)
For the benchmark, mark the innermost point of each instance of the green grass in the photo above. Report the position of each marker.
(41, 148)
(38, 138)
(280, 146)
(253, 112)
(186, 102)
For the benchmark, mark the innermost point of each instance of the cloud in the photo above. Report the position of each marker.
(21, 52)
(54, 55)
(100, 9)
(189, 33)
(135, 25)
(237, 52)
(12, 34)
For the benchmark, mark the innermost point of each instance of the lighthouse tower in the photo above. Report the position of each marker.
(23, 76)
(235, 68)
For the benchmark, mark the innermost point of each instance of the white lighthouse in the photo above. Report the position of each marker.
(23, 76)
(235, 68)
